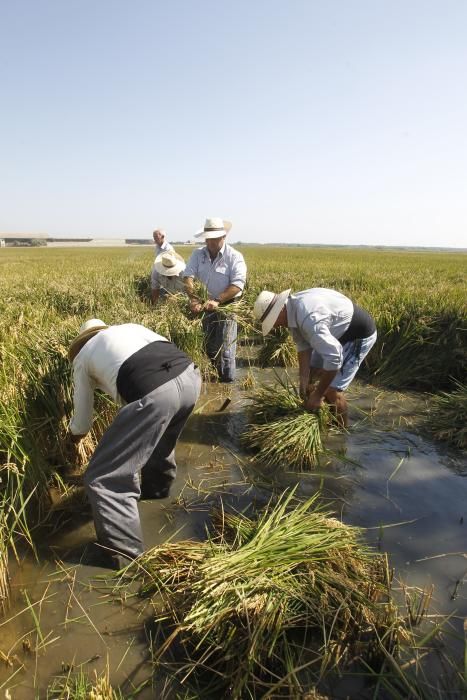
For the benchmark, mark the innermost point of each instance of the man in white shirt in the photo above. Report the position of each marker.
(332, 334)
(157, 385)
(222, 270)
(162, 244)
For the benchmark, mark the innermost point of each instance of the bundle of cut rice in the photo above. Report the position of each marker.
(263, 596)
(281, 431)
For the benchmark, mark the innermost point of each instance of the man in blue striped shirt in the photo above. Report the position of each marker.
(333, 336)
(222, 270)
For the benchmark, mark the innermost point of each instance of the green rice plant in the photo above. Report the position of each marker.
(419, 349)
(281, 431)
(446, 417)
(234, 612)
(278, 350)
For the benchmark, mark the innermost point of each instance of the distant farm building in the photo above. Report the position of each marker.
(22, 239)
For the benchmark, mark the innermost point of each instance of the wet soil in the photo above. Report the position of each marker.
(408, 493)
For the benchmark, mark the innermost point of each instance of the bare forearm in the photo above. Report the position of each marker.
(229, 293)
(325, 378)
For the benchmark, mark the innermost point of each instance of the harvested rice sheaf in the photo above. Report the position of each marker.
(278, 350)
(263, 595)
(281, 432)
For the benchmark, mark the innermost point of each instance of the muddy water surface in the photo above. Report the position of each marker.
(409, 494)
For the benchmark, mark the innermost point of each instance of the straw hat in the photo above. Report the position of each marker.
(214, 228)
(267, 308)
(87, 330)
(169, 263)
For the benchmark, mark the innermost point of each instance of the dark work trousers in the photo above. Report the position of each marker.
(220, 337)
(142, 437)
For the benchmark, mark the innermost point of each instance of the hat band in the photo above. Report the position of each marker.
(214, 229)
(268, 309)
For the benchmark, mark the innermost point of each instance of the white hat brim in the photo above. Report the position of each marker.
(268, 323)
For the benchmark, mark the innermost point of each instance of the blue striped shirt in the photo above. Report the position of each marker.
(227, 268)
(317, 318)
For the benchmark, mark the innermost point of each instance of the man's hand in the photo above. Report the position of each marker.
(211, 305)
(195, 306)
(313, 402)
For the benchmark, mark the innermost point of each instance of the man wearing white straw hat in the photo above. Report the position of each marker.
(332, 334)
(157, 386)
(222, 270)
(167, 275)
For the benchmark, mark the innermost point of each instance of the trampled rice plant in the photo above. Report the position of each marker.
(281, 432)
(447, 416)
(290, 587)
(419, 348)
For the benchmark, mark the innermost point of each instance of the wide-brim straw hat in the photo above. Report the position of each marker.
(87, 330)
(267, 308)
(214, 228)
(169, 263)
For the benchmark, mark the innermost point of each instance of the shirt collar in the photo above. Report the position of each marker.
(219, 254)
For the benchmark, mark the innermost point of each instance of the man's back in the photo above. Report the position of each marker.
(103, 355)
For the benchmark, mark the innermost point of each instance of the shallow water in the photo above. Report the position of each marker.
(409, 494)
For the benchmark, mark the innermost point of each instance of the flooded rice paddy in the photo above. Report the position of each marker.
(408, 493)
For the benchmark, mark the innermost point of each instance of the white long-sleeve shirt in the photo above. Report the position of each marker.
(317, 318)
(97, 364)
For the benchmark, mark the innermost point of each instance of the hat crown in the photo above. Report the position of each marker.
(169, 263)
(92, 323)
(262, 302)
(214, 224)
(168, 260)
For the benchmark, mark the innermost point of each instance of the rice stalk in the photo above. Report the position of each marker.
(78, 685)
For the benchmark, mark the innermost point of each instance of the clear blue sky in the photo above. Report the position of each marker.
(339, 121)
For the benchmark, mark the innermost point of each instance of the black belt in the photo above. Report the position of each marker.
(361, 326)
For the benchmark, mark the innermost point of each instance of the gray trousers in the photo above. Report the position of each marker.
(220, 337)
(142, 438)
